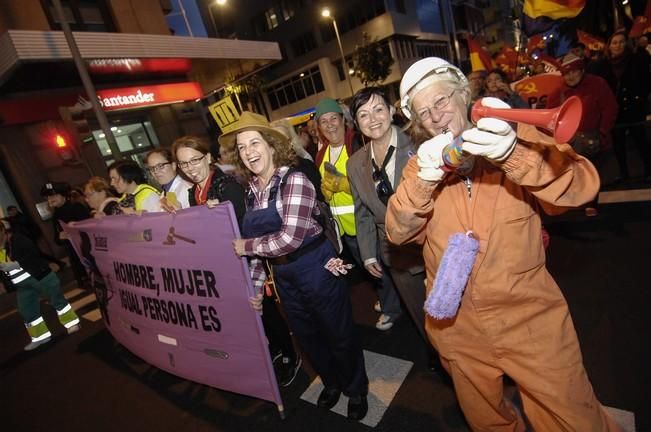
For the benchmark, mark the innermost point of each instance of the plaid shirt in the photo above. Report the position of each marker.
(295, 204)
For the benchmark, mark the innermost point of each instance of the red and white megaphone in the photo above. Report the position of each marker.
(561, 122)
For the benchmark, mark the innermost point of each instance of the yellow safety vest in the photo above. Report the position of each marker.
(342, 203)
(140, 194)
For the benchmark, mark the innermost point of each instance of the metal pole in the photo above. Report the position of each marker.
(453, 33)
(88, 84)
(344, 63)
(185, 18)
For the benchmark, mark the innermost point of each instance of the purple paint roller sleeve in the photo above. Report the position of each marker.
(451, 278)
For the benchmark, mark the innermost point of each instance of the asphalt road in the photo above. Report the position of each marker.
(87, 381)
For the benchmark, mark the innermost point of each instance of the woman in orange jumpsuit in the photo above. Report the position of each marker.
(513, 318)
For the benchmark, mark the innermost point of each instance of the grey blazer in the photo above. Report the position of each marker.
(370, 212)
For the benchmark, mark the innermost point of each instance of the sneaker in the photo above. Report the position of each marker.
(74, 329)
(33, 345)
(385, 322)
(376, 307)
(289, 370)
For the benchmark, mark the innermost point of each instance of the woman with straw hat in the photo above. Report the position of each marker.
(279, 227)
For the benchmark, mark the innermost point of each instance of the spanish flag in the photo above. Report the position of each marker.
(554, 9)
(479, 58)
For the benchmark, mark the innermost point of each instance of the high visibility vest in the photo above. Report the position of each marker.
(141, 193)
(342, 204)
(16, 276)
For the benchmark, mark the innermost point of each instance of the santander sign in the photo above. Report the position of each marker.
(134, 97)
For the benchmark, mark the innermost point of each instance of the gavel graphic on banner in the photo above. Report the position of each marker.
(561, 122)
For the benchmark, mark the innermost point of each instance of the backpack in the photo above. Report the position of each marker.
(324, 217)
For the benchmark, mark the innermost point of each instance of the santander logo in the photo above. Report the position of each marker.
(138, 98)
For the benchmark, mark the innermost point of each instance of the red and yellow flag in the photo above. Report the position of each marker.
(591, 42)
(554, 9)
(479, 58)
(507, 60)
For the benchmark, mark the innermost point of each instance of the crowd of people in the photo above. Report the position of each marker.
(443, 215)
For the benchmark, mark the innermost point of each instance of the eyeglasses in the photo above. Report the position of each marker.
(158, 167)
(426, 113)
(193, 162)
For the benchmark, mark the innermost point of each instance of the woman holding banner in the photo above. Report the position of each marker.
(280, 229)
(211, 186)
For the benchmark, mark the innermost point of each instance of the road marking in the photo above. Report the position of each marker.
(632, 195)
(73, 293)
(94, 315)
(625, 419)
(83, 301)
(5, 315)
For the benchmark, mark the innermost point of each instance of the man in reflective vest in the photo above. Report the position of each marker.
(339, 143)
(21, 262)
(129, 180)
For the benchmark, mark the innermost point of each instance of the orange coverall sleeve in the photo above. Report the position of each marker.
(558, 177)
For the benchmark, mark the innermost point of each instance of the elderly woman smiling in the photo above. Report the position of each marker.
(279, 227)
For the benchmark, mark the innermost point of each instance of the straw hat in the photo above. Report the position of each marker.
(249, 121)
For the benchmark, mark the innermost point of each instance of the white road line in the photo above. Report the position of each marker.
(73, 293)
(94, 315)
(83, 301)
(7, 314)
(625, 419)
(624, 196)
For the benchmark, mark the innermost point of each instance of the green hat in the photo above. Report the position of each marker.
(327, 105)
(248, 121)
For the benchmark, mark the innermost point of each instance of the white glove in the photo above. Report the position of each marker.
(430, 157)
(492, 138)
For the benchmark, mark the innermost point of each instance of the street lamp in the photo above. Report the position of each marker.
(325, 12)
(212, 17)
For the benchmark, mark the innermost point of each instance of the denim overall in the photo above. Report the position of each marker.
(316, 302)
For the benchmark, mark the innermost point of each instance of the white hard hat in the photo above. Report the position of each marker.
(421, 74)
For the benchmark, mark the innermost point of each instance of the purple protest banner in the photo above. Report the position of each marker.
(176, 295)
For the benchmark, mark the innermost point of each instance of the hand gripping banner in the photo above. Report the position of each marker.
(176, 295)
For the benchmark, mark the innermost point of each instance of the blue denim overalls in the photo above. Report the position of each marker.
(316, 302)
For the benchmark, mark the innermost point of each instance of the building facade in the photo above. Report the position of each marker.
(311, 67)
(150, 83)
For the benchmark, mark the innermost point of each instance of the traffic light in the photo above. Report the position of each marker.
(63, 148)
(77, 124)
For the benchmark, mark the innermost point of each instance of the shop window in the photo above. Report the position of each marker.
(272, 18)
(133, 139)
(288, 9)
(82, 15)
(296, 88)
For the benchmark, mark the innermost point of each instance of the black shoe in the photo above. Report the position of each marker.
(328, 398)
(357, 407)
(288, 370)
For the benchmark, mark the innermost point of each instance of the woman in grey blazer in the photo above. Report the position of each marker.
(374, 172)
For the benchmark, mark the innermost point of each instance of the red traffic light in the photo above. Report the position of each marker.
(61, 142)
